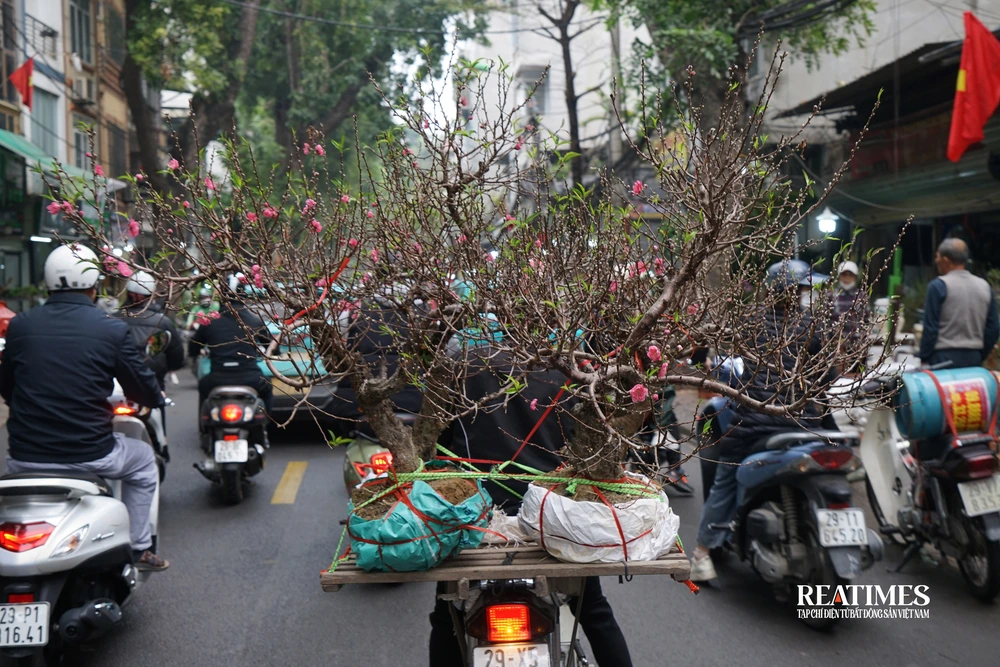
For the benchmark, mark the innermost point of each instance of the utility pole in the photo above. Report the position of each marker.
(615, 136)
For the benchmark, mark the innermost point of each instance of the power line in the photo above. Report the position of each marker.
(369, 26)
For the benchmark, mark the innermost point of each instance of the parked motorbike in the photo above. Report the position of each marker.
(521, 622)
(234, 438)
(66, 564)
(940, 490)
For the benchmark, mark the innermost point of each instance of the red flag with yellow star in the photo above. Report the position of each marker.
(21, 78)
(978, 89)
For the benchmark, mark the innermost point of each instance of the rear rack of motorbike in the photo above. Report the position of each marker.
(495, 562)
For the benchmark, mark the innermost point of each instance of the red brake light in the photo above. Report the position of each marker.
(231, 413)
(230, 438)
(124, 410)
(832, 458)
(18, 537)
(838, 506)
(20, 598)
(508, 623)
(381, 462)
(978, 467)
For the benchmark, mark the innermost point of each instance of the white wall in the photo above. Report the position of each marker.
(901, 26)
(527, 50)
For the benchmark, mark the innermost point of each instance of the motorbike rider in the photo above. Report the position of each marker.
(58, 370)
(491, 434)
(145, 318)
(786, 327)
(206, 306)
(232, 340)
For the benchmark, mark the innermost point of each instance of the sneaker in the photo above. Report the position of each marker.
(150, 562)
(702, 568)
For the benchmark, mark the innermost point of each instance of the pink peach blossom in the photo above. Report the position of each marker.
(637, 188)
(209, 183)
(639, 393)
(54, 207)
(464, 102)
(369, 214)
(345, 198)
(305, 149)
(353, 243)
(270, 212)
(309, 205)
(692, 309)
(251, 216)
(614, 286)
(316, 225)
(67, 207)
(203, 319)
(139, 178)
(374, 255)
(214, 315)
(534, 404)
(98, 170)
(416, 247)
(186, 204)
(173, 164)
(133, 227)
(462, 238)
(124, 269)
(663, 371)
(319, 149)
(653, 352)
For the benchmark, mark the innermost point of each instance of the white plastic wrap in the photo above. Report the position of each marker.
(586, 532)
(511, 530)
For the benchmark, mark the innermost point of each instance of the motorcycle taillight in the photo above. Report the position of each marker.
(833, 458)
(18, 537)
(976, 467)
(507, 622)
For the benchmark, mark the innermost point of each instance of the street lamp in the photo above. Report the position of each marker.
(827, 221)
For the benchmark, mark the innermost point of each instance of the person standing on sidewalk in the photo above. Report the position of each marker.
(960, 312)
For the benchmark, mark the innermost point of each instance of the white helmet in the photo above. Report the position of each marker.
(71, 267)
(141, 283)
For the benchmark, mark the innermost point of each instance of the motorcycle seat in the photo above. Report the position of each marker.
(104, 489)
(786, 439)
(233, 390)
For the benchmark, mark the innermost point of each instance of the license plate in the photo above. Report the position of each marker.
(231, 451)
(24, 624)
(981, 496)
(511, 655)
(842, 528)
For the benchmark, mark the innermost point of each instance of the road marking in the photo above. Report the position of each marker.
(290, 482)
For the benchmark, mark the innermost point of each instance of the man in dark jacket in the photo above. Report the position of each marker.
(786, 328)
(58, 370)
(960, 312)
(369, 333)
(232, 341)
(145, 319)
(495, 433)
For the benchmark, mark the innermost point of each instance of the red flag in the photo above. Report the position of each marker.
(978, 89)
(21, 78)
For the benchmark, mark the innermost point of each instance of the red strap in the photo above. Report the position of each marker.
(545, 414)
(946, 405)
(322, 297)
(618, 524)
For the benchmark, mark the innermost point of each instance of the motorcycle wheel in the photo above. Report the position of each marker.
(880, 517)
(232, 486)
(980, 566)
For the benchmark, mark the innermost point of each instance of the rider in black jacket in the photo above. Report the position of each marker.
(232, 341)
(145, 319)
(58, 370)
(494, 433)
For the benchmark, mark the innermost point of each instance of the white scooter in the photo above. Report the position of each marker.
(66, 564)
(951, 502)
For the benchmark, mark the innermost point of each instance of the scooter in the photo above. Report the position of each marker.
(66, 564)
(366, 457)
(942, 491)
(522, 622)
(137, 418)
(796, 523)
(234, 438)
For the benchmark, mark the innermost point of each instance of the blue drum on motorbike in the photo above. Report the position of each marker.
(970, 394)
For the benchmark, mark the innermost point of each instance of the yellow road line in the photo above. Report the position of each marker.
(290, 482)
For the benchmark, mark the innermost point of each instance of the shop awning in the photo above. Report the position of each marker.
(36, 157)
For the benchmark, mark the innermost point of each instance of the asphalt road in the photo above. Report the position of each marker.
(243, 589)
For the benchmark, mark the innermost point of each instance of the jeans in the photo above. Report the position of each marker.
(720, 506)
(133, 462)
(596, 619)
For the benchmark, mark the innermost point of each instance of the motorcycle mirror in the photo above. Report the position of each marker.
(157, 343)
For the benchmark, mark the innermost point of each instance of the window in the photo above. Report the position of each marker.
(81, 141)
(8, 61)
(527, 78)
(80, 30)
(118, 146)
(43, 122)
(8, 121)
(114, 31)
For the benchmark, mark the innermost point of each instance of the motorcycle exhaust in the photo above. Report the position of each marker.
(208, 470)
(89, 620)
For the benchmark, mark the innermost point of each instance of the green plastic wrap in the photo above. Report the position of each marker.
(405, 541)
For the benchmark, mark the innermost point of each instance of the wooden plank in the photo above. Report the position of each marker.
(528, 562)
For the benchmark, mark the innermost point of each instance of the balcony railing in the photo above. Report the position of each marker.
(41, 37)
